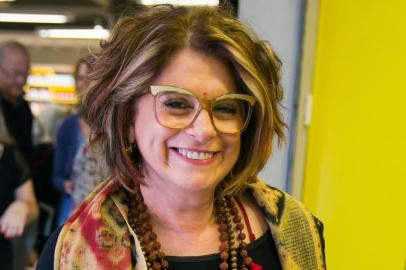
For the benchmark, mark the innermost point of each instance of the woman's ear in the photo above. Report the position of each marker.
(131, 135)
(130, 140)
(131, 130)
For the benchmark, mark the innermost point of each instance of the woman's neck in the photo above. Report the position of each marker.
(181, 218)
(180, 212)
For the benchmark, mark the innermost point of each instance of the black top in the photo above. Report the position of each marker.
(18, 119)
(262, 251)
(11, 178)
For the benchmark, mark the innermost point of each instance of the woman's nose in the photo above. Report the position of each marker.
(202, 128)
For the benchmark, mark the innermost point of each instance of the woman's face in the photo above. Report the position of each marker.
(165, 151)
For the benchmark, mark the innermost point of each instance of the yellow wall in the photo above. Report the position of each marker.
(355, 177)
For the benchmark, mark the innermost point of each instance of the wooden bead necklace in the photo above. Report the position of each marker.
(227, 218)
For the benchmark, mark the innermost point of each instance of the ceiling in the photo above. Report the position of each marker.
(84, 13)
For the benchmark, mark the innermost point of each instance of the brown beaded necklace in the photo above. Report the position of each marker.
(227, 217)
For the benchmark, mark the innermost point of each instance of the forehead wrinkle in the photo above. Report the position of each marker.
(205, 95)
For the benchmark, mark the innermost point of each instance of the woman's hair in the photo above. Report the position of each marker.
(139, 48)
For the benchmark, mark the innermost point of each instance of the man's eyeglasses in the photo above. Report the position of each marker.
(178, 108)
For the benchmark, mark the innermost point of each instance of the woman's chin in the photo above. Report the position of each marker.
(198, 184)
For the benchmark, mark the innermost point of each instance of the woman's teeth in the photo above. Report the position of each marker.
(194, 154)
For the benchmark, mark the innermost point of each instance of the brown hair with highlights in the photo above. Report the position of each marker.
(142, 44)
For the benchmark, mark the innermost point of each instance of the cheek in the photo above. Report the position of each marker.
(149, 135)
(233, 147)
(141, 120)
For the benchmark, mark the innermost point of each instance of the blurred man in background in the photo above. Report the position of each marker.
(18, 206)
(14, 69)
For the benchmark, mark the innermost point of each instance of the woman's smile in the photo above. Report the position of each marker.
(196, 157)
(194, 154)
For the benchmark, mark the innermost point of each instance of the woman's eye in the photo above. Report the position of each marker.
(177, 105)
(225, 109)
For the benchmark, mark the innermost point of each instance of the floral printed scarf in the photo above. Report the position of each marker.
(98, 236)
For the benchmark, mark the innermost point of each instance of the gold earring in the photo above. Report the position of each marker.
(130, 148)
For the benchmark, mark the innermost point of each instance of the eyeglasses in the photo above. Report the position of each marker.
(178, 108)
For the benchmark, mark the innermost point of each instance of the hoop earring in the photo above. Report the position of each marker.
(130, 148)
(134, 153)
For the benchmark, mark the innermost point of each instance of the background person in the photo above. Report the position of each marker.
(16, 112)
(184, 103)
(17, 204)
(16, 132)
(70, 136)
(89, 170)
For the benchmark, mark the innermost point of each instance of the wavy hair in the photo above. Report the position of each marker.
(139, 48)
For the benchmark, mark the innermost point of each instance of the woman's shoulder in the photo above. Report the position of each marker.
(274, 201)
(98, 228)
(294, 228)
(46, 260)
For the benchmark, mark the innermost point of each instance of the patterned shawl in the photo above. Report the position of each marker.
(98, 236)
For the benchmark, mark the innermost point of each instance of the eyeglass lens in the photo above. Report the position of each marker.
(178, 110)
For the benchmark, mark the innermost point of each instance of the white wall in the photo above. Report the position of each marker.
(280, 22)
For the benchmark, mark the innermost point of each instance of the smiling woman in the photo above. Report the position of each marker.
(184, 103)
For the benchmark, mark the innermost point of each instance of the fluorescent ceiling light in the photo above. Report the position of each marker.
(7, 0)
(32, 18)
(97, 32)
(181, 2)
